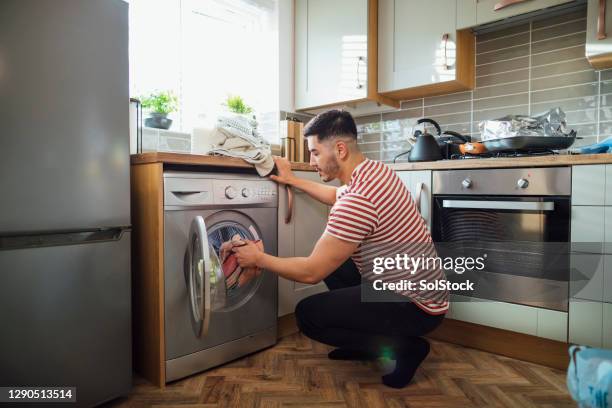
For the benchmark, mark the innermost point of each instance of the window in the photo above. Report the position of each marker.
(205, 50)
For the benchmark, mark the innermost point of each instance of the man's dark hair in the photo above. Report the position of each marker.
(331, 123)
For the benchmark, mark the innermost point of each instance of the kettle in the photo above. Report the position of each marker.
(426, 147)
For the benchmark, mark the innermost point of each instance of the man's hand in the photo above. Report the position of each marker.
(283, 168)
(248, 254)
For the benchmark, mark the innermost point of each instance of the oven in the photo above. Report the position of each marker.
(518, 221)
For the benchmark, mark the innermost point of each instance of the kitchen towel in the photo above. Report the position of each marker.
(237, 136)
(235, 276)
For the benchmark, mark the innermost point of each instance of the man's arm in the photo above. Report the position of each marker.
(328, 254)
(320, 192)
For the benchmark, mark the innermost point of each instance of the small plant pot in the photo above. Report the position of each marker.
(158, 121)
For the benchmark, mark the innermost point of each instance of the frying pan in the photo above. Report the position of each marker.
(531, 143)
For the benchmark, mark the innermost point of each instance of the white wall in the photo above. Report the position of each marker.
(286, 35)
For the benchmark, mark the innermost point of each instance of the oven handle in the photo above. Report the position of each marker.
(500, 205)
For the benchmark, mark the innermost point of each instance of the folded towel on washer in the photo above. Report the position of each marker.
(236, 276)
(237, 136)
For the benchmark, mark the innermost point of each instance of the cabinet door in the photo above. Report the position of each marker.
(415, 181)
(297, 238)
(506, 316)
(486, 13)
(588, 228)
(411, 49)
(596, 48)
(421, 180)
(331, 40)
(588, 185)
(585, 322)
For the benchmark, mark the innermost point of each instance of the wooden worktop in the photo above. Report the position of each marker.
(533, 161)
(202, 160)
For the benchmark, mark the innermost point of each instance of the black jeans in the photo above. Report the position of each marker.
(339, 318)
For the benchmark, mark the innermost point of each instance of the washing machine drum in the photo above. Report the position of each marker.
(223, 290)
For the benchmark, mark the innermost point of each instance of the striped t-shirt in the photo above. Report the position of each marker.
(377, 210)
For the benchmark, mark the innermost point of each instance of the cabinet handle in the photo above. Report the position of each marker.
(289, 210)
(445, 39)
(419, 189)
(601, 21)
(506, 3)
(359, 60)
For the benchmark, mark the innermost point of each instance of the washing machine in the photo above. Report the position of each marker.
(212, 318)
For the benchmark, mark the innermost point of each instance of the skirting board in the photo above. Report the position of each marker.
(524, 347)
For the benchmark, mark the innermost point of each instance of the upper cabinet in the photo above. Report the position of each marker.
(472, 13)
(335, 53)
(420, 52)
(599, 33)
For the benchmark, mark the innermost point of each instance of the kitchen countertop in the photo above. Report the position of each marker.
(202, 160)
(533, 161)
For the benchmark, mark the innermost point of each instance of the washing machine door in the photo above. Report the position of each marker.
(212, 285)
(206, 288)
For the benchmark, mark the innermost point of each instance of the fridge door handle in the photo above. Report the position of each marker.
(60, 238)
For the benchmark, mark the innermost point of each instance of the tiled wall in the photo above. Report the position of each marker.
(524, 69)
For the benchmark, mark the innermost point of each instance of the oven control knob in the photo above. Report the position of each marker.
(467, 183)
(230, 192)
(522, 183)
(246, 192)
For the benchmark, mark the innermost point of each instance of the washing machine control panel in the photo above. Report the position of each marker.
(244, 191)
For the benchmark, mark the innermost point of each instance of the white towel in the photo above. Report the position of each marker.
(237, 136)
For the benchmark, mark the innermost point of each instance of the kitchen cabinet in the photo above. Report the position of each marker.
(588, 185)
(477, 12)
(336, 54)
(587, 276)
(591, 258)
(420, 51)
(297, 238)
(585, 322)
(550, 324)
(419, 185)
(598, 47)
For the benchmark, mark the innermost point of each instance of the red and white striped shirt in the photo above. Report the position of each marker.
(377, 210)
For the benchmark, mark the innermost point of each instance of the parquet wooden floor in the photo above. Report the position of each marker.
(297, 373)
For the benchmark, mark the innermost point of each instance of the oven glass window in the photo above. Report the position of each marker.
(517, 238)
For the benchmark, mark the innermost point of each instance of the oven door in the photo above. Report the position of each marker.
(524, 241)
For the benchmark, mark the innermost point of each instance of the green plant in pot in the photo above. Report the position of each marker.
(159, 104)
(236, 104)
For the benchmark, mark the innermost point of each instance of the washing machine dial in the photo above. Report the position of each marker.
(230, 192)
(246, 192)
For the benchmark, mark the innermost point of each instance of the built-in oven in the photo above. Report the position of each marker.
(517, 221)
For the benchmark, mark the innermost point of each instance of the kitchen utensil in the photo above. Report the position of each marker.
(531, 143)
(473, 148)
(426, 147)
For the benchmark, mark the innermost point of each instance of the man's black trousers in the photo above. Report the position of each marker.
(339, 318)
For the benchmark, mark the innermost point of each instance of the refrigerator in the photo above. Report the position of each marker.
(65, 283)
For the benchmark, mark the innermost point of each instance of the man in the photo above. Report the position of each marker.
(373, 215)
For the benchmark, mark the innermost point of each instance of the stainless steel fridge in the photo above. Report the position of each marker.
(65, 283)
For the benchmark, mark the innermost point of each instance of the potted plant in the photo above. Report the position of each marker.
(159, 104)
(236, 104)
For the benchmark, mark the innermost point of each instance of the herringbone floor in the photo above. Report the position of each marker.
(296, 373)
